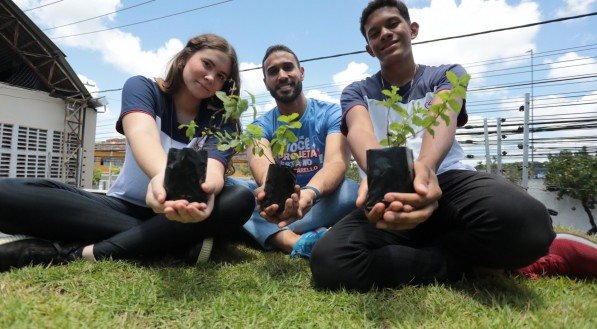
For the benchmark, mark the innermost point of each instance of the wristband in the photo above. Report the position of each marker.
(314, 189)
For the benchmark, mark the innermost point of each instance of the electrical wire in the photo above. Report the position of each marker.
(144, 21)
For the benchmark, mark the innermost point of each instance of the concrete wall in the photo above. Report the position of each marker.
(577, 218)
(88, 148)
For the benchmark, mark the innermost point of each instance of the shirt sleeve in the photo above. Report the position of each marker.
(334, 118)
(352, 95)
(266, 122)
(211, 145)
(138, 95)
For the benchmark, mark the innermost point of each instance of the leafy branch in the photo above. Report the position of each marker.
(426, 119)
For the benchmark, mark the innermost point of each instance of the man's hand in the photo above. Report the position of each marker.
(290, 213)
(407, 210)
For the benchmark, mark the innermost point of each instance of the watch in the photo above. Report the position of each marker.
(314, 189)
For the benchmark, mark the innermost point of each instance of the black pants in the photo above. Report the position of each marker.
(482, 220)
(55, 211)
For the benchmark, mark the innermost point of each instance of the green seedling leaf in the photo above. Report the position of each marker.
(454, 80)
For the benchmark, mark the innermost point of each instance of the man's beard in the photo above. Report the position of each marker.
(288, 98)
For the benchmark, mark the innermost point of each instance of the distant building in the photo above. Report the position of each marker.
(47, 116)
(241, 165)
(109, 154)
(108, 159)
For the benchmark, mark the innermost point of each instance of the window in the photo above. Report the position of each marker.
(5, 135)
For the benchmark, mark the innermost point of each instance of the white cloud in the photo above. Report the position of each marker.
(252, 80)
(354, 72)
(571, 64)
(445, 18)
(442, 18)
(576, 7)
(121, 49)
(318, 94)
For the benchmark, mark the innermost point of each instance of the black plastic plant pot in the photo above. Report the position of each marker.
(388, 170)
(279, 185)
(185, 173)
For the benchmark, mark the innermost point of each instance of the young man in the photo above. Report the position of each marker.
(456, 219)
(323, 196)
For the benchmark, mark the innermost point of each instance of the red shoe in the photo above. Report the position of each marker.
(569, 255)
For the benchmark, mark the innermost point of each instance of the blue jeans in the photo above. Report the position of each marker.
(329, 210)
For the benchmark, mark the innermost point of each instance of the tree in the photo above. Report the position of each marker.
(574, 175)
(353, 171)
(97, 175)
(511, 171)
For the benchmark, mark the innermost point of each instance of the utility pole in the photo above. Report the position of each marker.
(110, 170)
(487, 157)
(532, 107)
(499, 146)
(525, 144)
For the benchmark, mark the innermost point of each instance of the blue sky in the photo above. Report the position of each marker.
(315, 28)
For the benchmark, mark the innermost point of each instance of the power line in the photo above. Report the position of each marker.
(561, 19)
(515, 58)
(519, 100)
(557, 51)
(47, 4)
(92, 18)
(144, 21)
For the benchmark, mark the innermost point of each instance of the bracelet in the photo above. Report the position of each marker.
(314, 189)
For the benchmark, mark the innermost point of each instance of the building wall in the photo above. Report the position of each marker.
(88, 148)
(31, 128)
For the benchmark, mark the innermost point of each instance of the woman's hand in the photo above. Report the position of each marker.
(191, 212)
(156, 194)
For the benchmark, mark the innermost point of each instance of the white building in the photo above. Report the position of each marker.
(47, 116)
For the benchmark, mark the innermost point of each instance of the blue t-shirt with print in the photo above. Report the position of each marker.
(141, 94)
(427, 81)
(319, 120)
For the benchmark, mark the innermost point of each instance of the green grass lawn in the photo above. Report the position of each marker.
(243, 287)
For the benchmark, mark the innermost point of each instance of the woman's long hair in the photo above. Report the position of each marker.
(173, 81)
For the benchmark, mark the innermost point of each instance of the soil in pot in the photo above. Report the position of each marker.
(185, 173)
(388, 170)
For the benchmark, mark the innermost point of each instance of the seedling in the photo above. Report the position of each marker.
(280, 180)
(395, 173)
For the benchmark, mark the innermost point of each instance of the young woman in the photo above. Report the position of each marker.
(52, 222)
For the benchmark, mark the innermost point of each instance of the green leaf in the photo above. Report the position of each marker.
(417, 120)
(295, 124)
(452, 78)
(454, 105)
(445, 118)
(459, 91)
(400, 110)
(464, 79)
(292, 138)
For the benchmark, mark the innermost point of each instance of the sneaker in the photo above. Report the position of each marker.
(304, 245)
(20, 251)
(200, 252)
(570, 255)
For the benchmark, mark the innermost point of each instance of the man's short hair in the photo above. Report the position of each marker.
(275, 48)
(376, 4)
